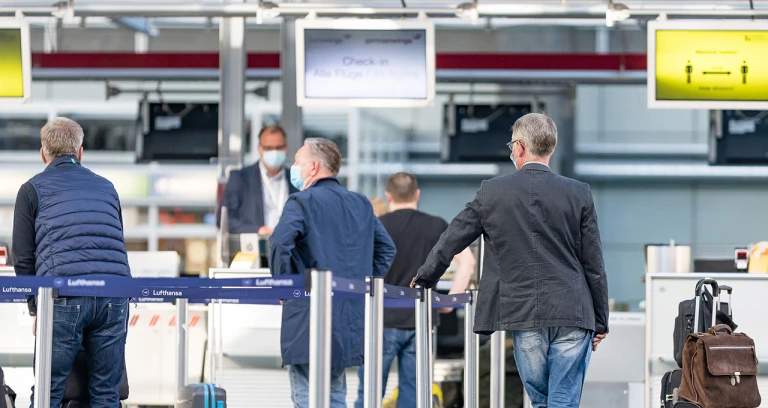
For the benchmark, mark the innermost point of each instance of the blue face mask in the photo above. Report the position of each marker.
(273, 158)
(512, 157)
(296, 179)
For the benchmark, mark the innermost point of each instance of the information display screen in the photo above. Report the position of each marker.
(711, 65)
(365, 63)
(15, 81)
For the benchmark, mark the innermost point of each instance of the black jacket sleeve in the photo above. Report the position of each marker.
(462, 231)
(593, 264)
(23, 240)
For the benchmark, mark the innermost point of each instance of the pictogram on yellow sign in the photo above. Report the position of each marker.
(711, 65)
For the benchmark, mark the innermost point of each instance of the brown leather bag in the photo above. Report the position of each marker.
(720, 369)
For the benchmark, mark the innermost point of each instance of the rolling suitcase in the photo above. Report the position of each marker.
(670, 386)
(205, 395)
(684, 324)
(705, 304)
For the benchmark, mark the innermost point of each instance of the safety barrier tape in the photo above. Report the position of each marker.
(201, 290)
(28, 284)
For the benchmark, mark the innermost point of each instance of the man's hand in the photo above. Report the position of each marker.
(34, 326)
(598, 338)
(413, 283)
(264, 231)
(445, 310)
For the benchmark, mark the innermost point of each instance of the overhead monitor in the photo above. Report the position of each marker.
(708, 64)
(15, 61)
(365, 63)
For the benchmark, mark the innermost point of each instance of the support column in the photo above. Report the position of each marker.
(291, 115)
(232, 61)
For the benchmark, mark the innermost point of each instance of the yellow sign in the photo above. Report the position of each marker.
(711, 65)
(11, 66)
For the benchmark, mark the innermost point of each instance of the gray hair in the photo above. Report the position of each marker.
(61, 137)
(325, 152)
(538, 133)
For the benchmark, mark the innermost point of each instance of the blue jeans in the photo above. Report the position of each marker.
(552, 363)
(100, 326)
(299, 376)
(400, 343)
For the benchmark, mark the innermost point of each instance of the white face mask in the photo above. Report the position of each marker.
(273, 158)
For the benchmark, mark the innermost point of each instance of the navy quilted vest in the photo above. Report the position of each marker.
(77, 229)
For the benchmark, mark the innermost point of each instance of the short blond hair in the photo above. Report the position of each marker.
(61, 137)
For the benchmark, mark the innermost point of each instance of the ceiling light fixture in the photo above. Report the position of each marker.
(615, 13)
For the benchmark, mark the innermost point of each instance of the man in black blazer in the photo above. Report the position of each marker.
(544, 277)
(255, 195)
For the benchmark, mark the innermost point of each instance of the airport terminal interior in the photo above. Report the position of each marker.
(660, 106)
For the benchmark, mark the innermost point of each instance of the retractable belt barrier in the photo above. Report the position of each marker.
(259, 291)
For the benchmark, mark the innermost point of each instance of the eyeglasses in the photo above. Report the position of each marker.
(511, 144)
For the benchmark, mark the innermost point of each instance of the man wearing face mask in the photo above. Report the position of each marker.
(326, 227)
(255, 195)
(544, 277)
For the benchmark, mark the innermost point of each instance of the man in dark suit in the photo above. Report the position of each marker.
(544, 278)
(327, 227)
(255, 195)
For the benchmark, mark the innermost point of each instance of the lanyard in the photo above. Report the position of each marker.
(277, 198)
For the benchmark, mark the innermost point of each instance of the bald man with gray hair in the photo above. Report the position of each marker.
(544, 277)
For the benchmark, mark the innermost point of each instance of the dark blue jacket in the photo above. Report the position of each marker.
(78, 228)
(244, 199)
(328, 227)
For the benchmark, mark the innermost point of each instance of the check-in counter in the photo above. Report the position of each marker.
(664, 291)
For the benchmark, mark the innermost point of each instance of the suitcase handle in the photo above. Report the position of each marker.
(721, 327)
(707, 281)
(726, 288)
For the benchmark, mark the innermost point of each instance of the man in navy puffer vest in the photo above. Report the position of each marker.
(67, 222)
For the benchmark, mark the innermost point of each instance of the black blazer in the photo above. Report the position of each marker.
(244, 199)
(544, 261)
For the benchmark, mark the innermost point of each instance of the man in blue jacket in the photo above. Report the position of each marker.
(67, 222)
(325, 226)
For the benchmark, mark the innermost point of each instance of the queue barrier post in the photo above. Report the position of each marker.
(320, 339)
(43, 347)
(471, 354)
(423, 349)
(498, 367)
(374, 346)
(182, 343)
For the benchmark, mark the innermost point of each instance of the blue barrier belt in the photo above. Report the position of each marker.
(456, 300)
(266, 290)
(350, 286)
(392, 291)
(91, 281)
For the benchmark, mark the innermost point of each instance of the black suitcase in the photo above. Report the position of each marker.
(7, 396)
(709, 304)
(205, 395)
(670, 384)
(76, 394)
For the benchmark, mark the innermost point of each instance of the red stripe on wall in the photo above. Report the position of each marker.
(607, 62)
